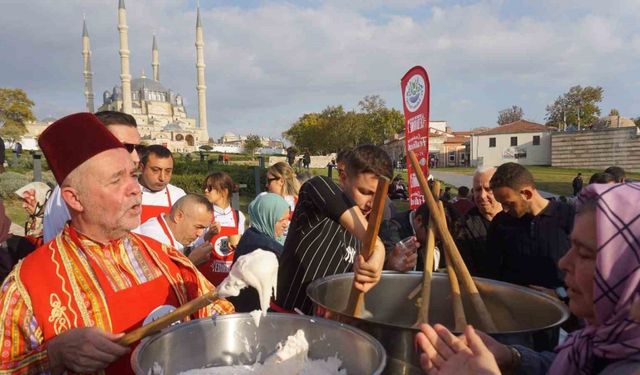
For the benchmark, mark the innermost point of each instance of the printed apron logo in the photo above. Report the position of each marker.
(221, 247)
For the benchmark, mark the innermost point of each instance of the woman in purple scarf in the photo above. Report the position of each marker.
(602, 275)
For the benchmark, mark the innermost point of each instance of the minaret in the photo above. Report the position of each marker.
(201, 87)
(155, 63)
(125, 76)
(86, 68)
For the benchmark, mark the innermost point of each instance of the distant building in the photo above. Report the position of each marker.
(522, 142)
(234, 143)
(159, 111)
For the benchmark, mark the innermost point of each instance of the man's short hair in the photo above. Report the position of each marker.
(116, 118)
(617, 173)
(513, 176)
(159, 151)
(343, 155)
(463, 191)
(190, 199)
(602, 178)
(423, 212)
(369, 159)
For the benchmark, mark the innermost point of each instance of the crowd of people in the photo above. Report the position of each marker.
(115, 229)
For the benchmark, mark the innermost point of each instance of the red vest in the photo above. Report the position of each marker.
(68, 290)
(219, 264)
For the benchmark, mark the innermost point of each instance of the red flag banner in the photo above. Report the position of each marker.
(415, 98)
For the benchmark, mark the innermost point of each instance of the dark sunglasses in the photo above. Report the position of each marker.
(130, 147)
(270, 180)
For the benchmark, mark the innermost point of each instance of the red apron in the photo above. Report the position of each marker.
(166, 230)
(219, 264)
(149, 211)
(127, 309)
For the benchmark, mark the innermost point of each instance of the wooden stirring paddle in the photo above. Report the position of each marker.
(166, 320)
(467, 282)
(355, 303)
(429, 250)
(459, 317)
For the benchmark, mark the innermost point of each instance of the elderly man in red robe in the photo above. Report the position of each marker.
(66, 305)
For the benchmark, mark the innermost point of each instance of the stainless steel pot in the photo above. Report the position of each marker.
(234, 339)
(518, 312)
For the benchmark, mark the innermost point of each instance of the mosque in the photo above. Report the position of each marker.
(159, 112)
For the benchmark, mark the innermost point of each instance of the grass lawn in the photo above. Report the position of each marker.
(552, 179)
(15, 212)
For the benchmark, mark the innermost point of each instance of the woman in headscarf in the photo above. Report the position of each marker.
(602, 275)
(269, 219)
(269, 215)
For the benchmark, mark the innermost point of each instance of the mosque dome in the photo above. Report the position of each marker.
(147, 83)
(172, 127)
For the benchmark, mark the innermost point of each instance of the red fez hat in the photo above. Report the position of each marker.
(74, 139)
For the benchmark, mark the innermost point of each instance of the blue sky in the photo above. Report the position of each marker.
(269, 62)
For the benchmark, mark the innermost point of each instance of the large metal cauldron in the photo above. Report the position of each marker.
(518, 312)
(234, 339)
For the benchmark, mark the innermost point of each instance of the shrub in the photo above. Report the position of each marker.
(192, 182)
(10, 182)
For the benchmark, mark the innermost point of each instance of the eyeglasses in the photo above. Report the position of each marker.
(130, 147)
(270, 180)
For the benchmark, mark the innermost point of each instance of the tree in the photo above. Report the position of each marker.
(252, 143)
(334, 128)
(15, 112)
(509, 115)
(614, 112)
(576, 107)
(637, 121)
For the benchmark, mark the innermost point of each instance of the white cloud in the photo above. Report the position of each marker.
(268, 64)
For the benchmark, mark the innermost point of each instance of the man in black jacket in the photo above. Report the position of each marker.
(531, 235)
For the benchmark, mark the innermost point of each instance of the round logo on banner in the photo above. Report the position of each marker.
(414, 92)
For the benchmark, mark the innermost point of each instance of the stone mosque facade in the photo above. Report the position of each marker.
(159, 111)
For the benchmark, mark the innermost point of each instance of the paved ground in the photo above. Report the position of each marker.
(457, 179)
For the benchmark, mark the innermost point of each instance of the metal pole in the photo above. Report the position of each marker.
(330, 171)
(37, 166)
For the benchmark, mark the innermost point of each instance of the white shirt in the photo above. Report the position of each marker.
(153, 229)
(226, 219)
(56, 215)
(160, 198)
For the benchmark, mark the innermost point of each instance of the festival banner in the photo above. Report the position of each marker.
(415, 98)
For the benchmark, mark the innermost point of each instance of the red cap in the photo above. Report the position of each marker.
(74, 139)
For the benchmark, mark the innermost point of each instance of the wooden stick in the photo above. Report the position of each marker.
(425, 296)
(440, 224)
(456, 300)
(415, 291)
(356, 297)
(166, 320)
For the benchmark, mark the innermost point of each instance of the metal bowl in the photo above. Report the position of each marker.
(518, 312)
(235, 340)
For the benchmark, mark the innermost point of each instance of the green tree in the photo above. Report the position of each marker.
(614, 112)
(509, 115)
(252, 143)
(334, 128)
(578, 106)
(15, 112)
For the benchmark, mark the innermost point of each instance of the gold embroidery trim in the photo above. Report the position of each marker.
(58, 316)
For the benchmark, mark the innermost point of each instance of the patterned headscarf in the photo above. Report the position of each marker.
(616, 283)
(265, 211)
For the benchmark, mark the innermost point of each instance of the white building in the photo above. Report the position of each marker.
(522, 142)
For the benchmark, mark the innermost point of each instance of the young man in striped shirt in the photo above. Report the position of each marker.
(328, 227)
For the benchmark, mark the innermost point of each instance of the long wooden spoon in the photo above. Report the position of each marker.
(467, 282)
(356, 297)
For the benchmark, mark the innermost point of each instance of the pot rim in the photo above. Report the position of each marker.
(562, 308)
(379, 349)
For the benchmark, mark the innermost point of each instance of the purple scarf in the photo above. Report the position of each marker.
(616, 283)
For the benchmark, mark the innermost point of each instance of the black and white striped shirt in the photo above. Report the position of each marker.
(317, 245)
